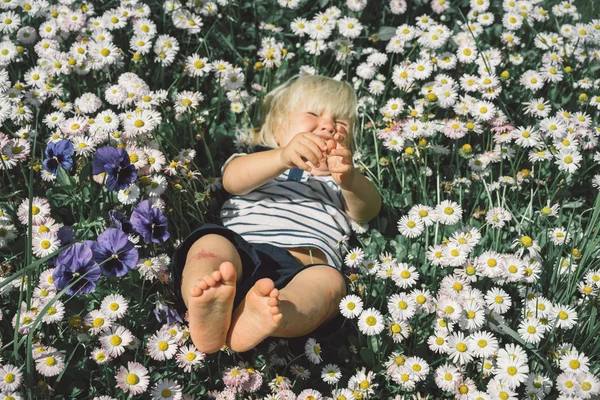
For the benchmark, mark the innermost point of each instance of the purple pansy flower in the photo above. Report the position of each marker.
(74, 262)
(150, 223)
(120, 173)
(120, 221)
(120, 254)
(163, 312)
(59, 153)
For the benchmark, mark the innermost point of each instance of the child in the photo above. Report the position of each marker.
(274, 268)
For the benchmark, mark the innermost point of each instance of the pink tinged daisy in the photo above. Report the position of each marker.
(351, 306)
(40, 209)
(50, 364)
(370, 322)
(448, 212)
(114, 306)
(188, 358)
(162, 346)
(115, 340)
(96, 321)
(411, 226)
(167, 389)
(55, 313)
(99, 355)
(134, 379)
(331, 374)
(10, 378)
(498, 300)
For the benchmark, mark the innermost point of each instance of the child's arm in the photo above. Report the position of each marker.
(246, 173)
(362, 202)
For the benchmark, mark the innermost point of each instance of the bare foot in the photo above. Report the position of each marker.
(210, 306)
(256, 318)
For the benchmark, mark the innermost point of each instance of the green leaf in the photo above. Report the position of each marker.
(386, 32)
(368, 356)
(323, 3)
(63, 177)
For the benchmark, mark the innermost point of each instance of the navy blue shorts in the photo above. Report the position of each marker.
(259, 260)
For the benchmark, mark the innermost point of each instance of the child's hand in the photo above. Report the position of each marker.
(305, 146)
(340, 162)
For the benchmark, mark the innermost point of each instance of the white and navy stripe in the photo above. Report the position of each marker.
(294, 209)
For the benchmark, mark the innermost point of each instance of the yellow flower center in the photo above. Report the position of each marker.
(132, 379)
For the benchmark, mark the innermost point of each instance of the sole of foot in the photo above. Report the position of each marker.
(256, 318)
(210, 306)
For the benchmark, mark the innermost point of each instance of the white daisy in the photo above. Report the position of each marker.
(167, 389)
(410, 226)
(370, 322)
(448, 212)
(351, 306)
(115, 339)
(50, 364)
(114, 306)
(45, 243)
(354, 257)
(331, 374)
(312, 350)
(162, 346)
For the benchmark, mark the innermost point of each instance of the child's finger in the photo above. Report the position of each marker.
(341, 139)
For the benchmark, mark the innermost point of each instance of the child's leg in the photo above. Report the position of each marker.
(310, 299)
(208, 284)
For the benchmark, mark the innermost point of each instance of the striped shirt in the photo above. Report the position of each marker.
(294, 209)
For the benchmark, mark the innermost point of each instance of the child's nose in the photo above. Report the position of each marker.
(327, 125)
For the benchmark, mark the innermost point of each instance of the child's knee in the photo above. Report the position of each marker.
(336, 285)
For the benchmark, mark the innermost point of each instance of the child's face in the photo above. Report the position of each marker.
(324, 124)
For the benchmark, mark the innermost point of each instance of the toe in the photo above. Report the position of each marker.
(274, 310)
(263, 287)
(274, 293)
(216, 275)
(228, 274)
(195, 291)
(202, 284)
(210, 281)
(273, 301)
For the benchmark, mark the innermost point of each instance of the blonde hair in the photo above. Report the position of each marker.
(315, 92)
